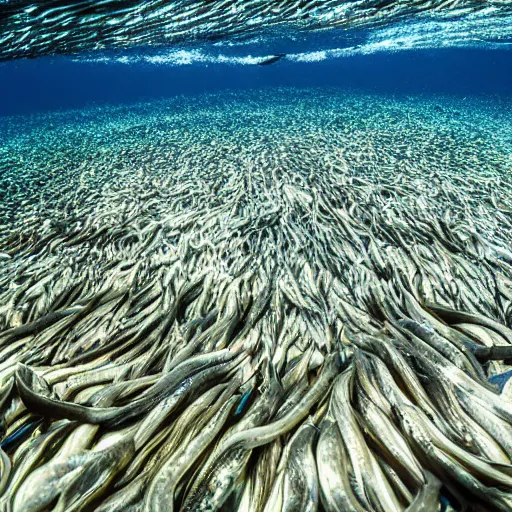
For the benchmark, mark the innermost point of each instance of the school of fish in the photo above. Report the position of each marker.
(35, 28)
(259, 305)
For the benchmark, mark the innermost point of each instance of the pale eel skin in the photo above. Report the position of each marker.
(281, 300)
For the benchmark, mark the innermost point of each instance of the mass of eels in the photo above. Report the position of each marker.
(257, 305)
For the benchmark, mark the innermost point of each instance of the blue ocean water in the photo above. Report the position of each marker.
(51, 83)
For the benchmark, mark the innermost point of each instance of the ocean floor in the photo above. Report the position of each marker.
(191, 284)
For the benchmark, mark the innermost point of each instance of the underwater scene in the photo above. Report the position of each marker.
(255, 255)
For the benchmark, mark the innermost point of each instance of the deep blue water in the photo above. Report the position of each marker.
(60, 83)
